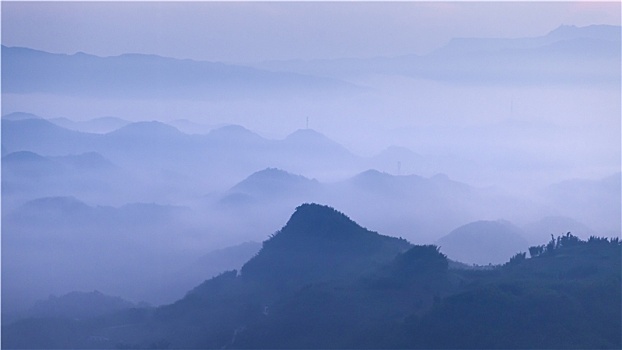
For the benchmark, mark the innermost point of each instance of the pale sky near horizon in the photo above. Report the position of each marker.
(253, 31)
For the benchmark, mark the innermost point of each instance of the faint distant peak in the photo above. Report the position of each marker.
(232, 130)
(35, 123)
(477, 45)
(310, 137)
(484, 242)
(279, 174)
(441, 177)
(272, 173)
(20, 116)
(483, 230)
(24, 156)
(399, 151)
(147, 128)
(110, 119)
(57, 203)
(373, 174)
(307, 134)
(600, 31)
(272, 181)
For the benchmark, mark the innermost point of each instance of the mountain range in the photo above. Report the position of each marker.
(590, 54)
(323, 281)
(163, 194)
(139, 76)
(209, 191)
(590, 57)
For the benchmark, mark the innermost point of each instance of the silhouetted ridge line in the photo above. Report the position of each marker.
(320, 221)
(319, 243)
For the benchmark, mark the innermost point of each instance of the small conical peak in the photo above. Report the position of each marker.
(56, 204)
(441, 177)
(373, 173)
(20, 116)
(372, 177)
(305, 134)
(231, 129)
(318, 243)
(146, 128)
(233, 132)
(320, 225)
(24, 156)
(274, 174)
(312, 215)
(319, 220)
(272, 180)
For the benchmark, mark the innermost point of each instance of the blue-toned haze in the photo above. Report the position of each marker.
(147, 146)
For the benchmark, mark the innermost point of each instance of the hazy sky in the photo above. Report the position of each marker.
(251, 31)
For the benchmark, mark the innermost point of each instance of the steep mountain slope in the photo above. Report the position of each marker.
(318, 245)
(324, 282)
(292, 256)
(177, 283)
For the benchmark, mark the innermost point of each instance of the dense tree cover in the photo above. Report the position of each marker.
(324, 282)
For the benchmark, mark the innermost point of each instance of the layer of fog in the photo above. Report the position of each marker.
(123, 208)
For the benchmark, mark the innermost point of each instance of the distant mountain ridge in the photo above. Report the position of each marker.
(141, 76)
(589, 55)
(96, 125)
(220, 173)
(593, 50)
(607, 33)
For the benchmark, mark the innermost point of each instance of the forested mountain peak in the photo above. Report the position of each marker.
(320, 243)
(319, 220)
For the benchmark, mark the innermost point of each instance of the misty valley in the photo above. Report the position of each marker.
(306, 210)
